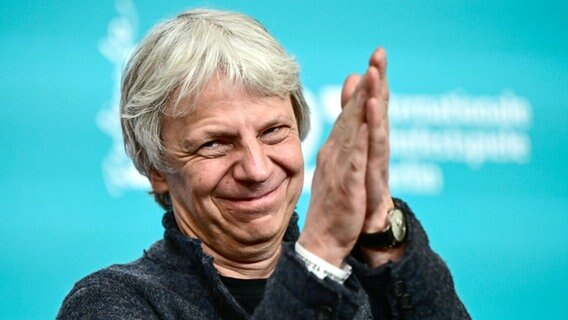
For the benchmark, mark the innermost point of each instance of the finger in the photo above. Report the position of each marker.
(378, 60)
(372, 82)
(378, 193)
(352, 115)
(359, 156)
(355, 93)
(379, 148)
(349, 86)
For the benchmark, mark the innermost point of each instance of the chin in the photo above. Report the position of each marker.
(264, 228)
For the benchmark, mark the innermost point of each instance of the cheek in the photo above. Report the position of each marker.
(290, 158)
(198, 180)
(296, 158)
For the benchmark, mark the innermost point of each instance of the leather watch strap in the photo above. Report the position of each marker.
(394, 235)
(382, 239)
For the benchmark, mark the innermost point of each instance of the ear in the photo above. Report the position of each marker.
(158, 182)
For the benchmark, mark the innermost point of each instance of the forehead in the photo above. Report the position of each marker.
(219, 92)
(220, 100)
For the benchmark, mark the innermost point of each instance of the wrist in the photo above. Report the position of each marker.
(321, 268)
(377, 220)
(388, 244)
(321, 248)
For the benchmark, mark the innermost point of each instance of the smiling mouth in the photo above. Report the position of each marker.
(255, 197)
(261, 204)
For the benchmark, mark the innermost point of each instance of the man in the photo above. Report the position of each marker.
(213, 114)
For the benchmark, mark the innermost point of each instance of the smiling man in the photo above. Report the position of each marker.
(237, 174)
(213, 114)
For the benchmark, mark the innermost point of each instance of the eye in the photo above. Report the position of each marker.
(214, 148)
(210, 144)
(272, 130)
(275, 134)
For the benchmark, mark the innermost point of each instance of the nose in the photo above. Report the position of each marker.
(253, 165)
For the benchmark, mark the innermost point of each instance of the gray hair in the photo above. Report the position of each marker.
(176, 60)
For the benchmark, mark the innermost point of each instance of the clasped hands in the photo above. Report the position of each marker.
(350, 192)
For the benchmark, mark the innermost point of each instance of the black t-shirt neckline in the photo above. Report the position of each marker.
(247, 292)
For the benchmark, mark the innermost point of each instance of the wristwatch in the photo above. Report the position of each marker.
(394, 235)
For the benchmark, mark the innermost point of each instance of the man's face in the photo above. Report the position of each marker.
(238, 169)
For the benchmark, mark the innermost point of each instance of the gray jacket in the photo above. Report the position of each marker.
(174, 279)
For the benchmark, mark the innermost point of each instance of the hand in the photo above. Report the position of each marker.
(379, 199)
(350, 191)
(339, 200)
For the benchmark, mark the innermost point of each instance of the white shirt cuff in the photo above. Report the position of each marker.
(321, 268)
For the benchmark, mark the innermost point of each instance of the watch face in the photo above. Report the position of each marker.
(397, 224)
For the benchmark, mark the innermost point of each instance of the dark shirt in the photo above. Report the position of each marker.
(247, 292)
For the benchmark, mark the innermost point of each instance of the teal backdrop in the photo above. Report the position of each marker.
(479, 132)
